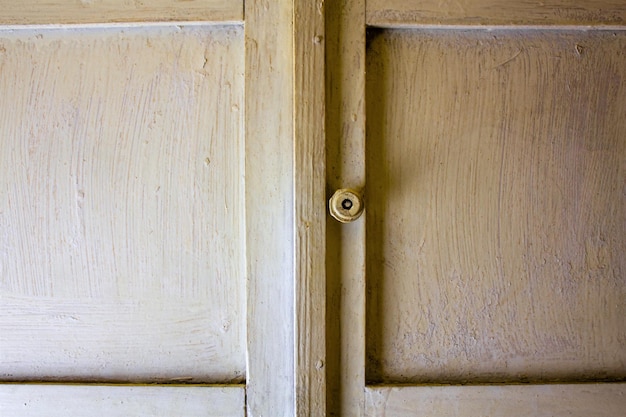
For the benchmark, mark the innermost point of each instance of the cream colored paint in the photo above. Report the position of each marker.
(394, 13)
(271, 374)
(283, 290)
(122, 249)
(558, 400)
(309, 209)
(59, 12)
(35, 400)
(496, 220)
(345, 168)
(399, 108)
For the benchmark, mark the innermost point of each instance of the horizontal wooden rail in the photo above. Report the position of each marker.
(559, 400)
(64, 12)
(25, 400)
(585, 13)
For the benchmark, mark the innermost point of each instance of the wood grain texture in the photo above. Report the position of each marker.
(496, 206)
(573, 400)
(122, 205)
(310, 208)
(269, 208)
(35, 400)
(389, 13)
(345, 255)
(57, 12)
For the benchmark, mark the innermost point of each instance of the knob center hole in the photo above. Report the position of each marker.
(346, 204)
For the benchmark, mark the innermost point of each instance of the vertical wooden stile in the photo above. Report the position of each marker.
(269, 208)
(310, 209)
(345, 264)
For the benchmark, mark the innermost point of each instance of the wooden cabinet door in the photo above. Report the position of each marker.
(163, 213)
(138, 243)
(486, 276)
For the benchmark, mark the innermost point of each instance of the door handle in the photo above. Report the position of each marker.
(345, 205)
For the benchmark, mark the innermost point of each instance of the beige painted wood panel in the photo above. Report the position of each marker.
(600, 400)
(122, 229)
(389, 13)
(59, 12)
(496, 219)
(37, 400)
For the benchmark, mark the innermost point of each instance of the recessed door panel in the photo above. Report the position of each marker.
(496, 206)
(122, 250)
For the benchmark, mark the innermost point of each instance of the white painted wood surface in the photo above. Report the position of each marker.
(310, 208)
(36, 400)
(598, 400)
(269, 69)
(122, 249)
(496, 206)
(62, 12)
(394, 13)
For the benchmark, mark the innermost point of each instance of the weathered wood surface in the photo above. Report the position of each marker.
(572, 400)
(122, 250)
(270, 206)
(36, 400)
(58, 12)
(600, 13)
(496, 206)
(310, 208)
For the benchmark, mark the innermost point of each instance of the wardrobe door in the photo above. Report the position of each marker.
(122, 209)
(486, 275)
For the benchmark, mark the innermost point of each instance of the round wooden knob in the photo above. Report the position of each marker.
(345, 205)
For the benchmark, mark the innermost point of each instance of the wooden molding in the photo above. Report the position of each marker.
(588, 13)
(64, 12)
